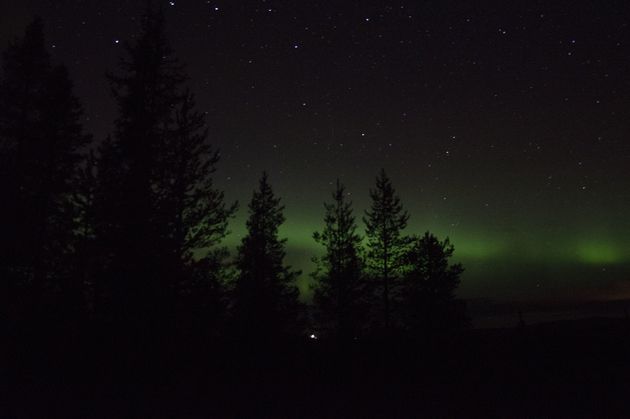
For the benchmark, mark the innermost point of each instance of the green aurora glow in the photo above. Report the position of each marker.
(514, 145)
(512, 263)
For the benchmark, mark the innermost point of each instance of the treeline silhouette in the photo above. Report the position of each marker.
(119, 298)
(127, 231)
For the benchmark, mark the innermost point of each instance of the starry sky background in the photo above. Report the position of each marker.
(505, 127)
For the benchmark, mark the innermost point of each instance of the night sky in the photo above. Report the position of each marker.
(506, 128)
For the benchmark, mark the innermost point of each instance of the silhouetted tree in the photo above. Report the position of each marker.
(265, 300)
(338, 291)
(386, 245)
(196, 214)
(85, 254)
(41, 141)
(157, 208)
(428, 291)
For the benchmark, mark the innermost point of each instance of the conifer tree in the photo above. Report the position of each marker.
(41, 141)
(430, 304)
(156, 204)
(197, 216)
(86, 254)
(192, 207)
(386, 245)
(266, 302)
(338, 291)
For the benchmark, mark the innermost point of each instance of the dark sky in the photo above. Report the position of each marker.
(504, 127)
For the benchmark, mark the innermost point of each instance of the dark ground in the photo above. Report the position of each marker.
(565, 369)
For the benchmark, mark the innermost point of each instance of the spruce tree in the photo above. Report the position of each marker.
(386, 245)
(156, 204)
(193, 209)
(265, 301)
(430, 304)
(338, 291)
(41, 142)
(197, 216)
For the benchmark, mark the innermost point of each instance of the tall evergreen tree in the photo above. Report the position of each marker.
(86, 254)
(338, 291)
(197, 216)
(266, 302)
(385, 221)
(41, 142)
(155, 200)
(429, 287)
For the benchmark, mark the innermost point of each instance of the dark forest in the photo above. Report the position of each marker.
(121, 294)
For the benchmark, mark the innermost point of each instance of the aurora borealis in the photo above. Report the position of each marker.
(506, 129)
(511, 264)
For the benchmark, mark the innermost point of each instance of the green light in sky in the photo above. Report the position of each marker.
(599, 253)
(500, 263)
(470, 248)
